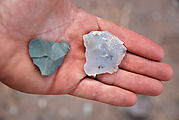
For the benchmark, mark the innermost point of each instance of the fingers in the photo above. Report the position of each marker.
(94, 90)
(134, 82)
(134, 42)
(136, 64)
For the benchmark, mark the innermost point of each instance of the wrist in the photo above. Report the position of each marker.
(28, 18)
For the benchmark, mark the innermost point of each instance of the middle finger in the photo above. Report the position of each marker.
(133, 82)
(143, 66)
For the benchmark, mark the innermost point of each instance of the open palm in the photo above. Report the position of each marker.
(56, 20)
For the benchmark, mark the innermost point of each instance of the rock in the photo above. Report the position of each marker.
(48, 56)
(104, 52)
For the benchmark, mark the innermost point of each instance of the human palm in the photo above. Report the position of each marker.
(56, 20)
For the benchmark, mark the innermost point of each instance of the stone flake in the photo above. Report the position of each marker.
(104, 52)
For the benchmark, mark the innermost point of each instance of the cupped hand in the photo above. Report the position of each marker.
(141, 71)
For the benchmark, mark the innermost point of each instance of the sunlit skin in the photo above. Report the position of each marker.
(141, 71)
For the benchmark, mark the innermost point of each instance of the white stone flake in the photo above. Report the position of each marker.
(104, 52)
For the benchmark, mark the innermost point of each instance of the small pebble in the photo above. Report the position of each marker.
(13, 110)
(42, 103)
(87, 108)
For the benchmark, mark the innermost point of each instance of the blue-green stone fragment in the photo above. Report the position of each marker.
(48, 56)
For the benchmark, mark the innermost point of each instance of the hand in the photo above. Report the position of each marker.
(54, 20)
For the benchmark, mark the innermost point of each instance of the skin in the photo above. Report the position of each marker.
(141, 71)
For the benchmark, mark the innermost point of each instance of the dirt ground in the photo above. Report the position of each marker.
(155, 19)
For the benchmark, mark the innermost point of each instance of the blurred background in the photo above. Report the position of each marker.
(155, 19)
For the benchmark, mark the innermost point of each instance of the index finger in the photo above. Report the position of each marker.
(134, 42)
